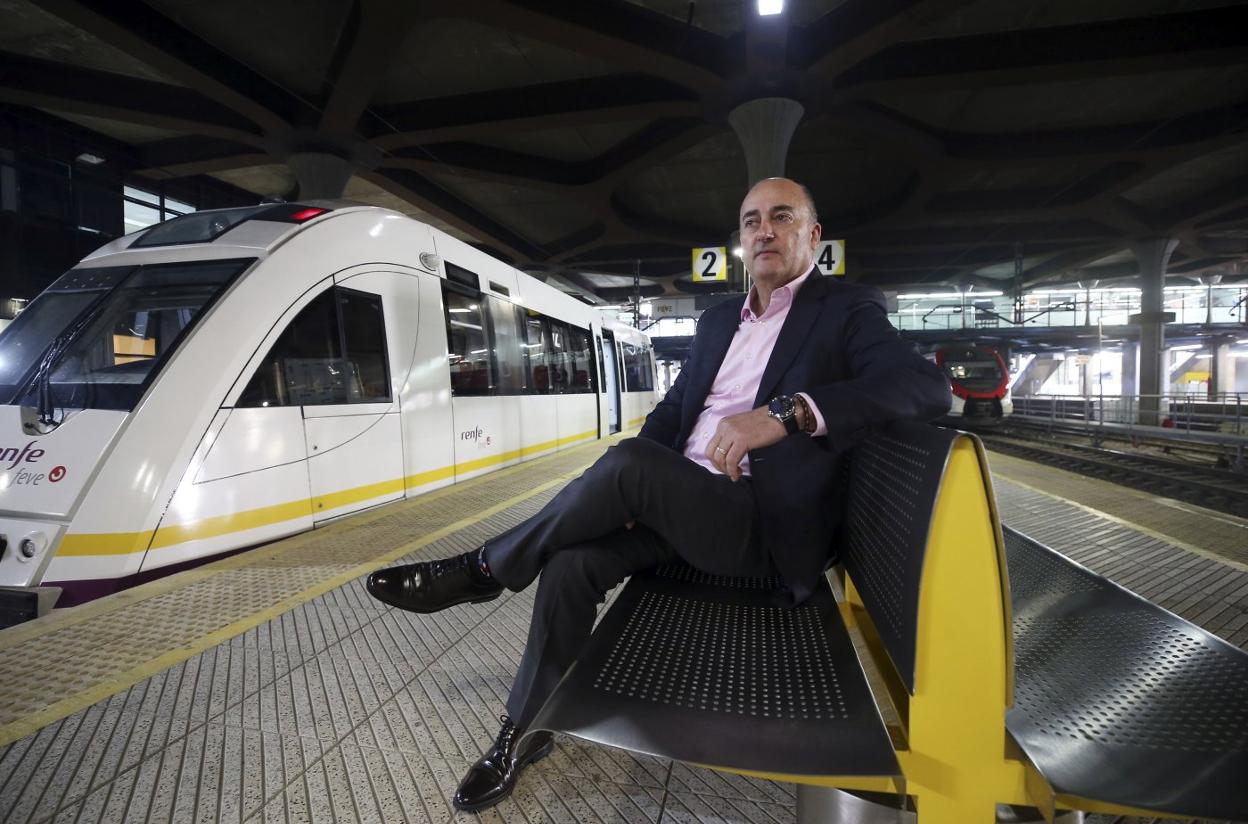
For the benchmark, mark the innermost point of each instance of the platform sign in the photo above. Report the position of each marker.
(710, 264)
(830, 257)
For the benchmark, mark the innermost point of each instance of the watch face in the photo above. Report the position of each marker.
(782, 407)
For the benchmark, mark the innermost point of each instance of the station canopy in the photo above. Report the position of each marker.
(948, 142)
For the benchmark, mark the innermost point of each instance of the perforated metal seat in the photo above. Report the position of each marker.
(1120, 701)
(708, 670)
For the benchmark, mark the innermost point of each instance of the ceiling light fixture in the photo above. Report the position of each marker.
(768, 7)
(89, 159)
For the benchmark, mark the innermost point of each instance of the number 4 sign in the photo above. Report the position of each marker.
(710, 264)
(830, 257)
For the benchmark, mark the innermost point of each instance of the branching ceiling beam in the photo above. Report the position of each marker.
(185, 156)
(428, 196)
(620, 33)
(373, 34)
(142, 32)
(1065, 262)
(858, 29)
(45, 84)
(1199, 39)
(1227, 122)
(594, 100)
(1225, 196)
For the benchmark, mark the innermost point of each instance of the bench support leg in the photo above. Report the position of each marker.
(937, 809)
(825, 805)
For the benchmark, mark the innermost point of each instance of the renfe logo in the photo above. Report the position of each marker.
(27, 453)
(477, 435)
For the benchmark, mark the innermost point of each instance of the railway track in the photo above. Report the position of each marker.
(1215, 489)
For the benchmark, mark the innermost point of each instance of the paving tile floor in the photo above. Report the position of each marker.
(343, 710)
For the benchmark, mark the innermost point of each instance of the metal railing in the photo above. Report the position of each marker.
(1225, 413)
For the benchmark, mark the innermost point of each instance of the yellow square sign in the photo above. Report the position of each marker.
(710, 264)
(830, 257)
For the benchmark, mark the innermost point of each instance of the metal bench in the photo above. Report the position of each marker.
(710, 671)
(1122, 706)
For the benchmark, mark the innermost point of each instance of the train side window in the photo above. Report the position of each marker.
(630, 367)
(560, 358)
(305, 366)
(467, 348)
(537, 352)
(638, 368)
(505, 340)
(364, 336)
(314, 363)
(582, 357)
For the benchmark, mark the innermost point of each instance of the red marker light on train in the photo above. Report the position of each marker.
(307, 214)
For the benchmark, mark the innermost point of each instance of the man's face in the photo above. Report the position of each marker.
(778, 234)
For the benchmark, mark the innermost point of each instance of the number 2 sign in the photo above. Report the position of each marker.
(710, 264)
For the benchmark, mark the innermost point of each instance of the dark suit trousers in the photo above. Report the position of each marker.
(579, 545)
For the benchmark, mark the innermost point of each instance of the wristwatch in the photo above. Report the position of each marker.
(784, 409)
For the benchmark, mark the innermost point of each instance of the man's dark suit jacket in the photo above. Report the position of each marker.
(838, 347)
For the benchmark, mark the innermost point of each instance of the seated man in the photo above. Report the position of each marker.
(734, 472)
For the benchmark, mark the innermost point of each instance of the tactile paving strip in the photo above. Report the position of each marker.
(41, 669)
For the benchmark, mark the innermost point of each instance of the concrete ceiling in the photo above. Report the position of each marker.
(943, 139)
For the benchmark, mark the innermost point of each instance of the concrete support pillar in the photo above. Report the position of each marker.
(765, 126)
(1087, 376)
(1130, 368)
(1221, 366)
(321, 176)
(1153, 256)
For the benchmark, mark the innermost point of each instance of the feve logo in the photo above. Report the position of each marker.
(56, 473)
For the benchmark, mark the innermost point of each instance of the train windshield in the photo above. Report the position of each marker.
(104, 354)
(977, 375)
(27, 338)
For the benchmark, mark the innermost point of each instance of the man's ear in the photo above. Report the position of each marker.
(816, 232)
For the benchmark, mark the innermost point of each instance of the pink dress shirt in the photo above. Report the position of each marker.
(739, 375)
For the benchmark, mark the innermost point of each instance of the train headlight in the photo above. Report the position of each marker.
(30, 546)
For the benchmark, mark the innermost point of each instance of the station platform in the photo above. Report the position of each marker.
(270, 687)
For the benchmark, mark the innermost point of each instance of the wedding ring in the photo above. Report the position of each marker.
(721, 450)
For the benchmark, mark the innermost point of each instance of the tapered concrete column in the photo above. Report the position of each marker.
(1221, 367)
(1130, 367)
(1153, 256)
(321, 176)
(765, 126)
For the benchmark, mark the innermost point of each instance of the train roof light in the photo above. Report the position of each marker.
(307, 214)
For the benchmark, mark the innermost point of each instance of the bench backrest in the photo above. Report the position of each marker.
(894, 477)
(926, 581)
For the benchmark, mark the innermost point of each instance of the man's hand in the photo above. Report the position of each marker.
(738, 434)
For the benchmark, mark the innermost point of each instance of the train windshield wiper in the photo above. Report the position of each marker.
(42, 380)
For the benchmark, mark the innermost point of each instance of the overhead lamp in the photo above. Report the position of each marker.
(769, 7)
(89, 159)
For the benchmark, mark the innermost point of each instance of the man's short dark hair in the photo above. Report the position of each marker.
(810, 202)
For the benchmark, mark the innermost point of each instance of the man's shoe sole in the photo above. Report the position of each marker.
(485, 805)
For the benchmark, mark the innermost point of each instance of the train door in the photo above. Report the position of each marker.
(351, 411)
(611, 380)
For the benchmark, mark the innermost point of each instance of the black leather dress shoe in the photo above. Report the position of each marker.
(433, 585)
(492, 779)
